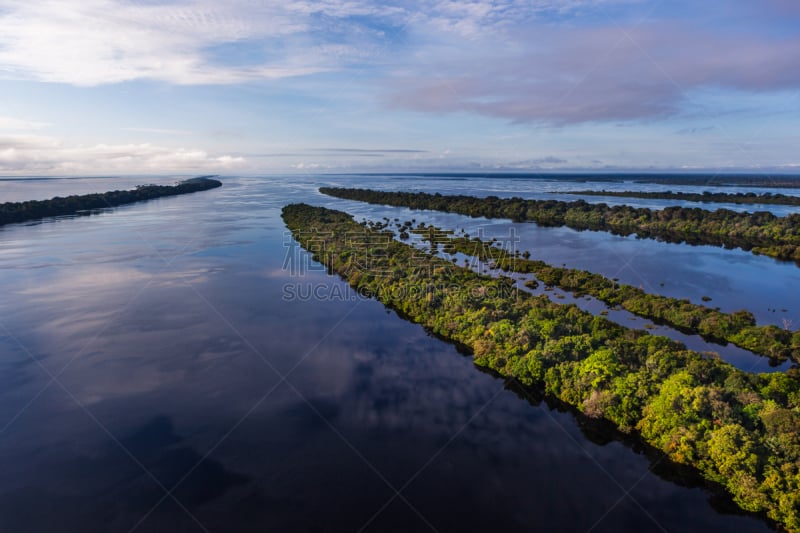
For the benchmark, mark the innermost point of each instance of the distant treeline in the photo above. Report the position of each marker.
(77, 204)
(775, 182)
(738, 328)
(699, 180)
(706, 196)
(760, 232)
(740, 429)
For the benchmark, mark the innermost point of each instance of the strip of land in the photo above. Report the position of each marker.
(738, 328)
(695, 180)
(11, 212)
(760, 232)
(704, 197)
(741, 430)
(726, 180)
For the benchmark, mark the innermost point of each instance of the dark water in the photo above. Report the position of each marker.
(154, 376)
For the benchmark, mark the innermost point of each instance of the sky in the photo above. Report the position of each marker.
(237, 87)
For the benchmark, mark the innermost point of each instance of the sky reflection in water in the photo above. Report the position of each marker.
(166, 328)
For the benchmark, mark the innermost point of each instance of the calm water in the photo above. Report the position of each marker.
(154, 376)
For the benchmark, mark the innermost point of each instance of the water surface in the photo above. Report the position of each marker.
(154, 376)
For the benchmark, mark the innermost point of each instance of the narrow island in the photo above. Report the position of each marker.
(11, 212)
(739, 429)
(741, 180)
(695, 180)
(767, 198)
(738, 328)
(760, 232)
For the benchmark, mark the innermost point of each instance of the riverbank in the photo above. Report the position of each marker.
(739, 429)
(14, 212)
(704, 197)
(739, 328)
(761, 233)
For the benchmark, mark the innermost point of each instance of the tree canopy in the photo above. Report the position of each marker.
(11, 212)
(760, 232)
(738, 429)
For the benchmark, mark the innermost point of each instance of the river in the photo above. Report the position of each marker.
(180, 365)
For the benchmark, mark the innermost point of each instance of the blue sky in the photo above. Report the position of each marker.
(240, 87)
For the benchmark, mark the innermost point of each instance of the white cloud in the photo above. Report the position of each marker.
(308, 166)
(158, 131)
(473, 19)
(43, 155)
(567, 75)
(11, 123)
(93, 42)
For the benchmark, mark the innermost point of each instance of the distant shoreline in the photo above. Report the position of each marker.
(16, 212)
(704, 197)
(761, 232)
(708, 179)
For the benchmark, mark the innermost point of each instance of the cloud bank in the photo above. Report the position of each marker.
(444, 77)
(32, 155)
(93, 42)
(567, 75)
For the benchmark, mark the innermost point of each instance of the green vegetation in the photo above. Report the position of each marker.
(727, 180)
(741, 430)
(706, 196)
(738, 328)
(11, 212)
(761, 232)
(696, 180)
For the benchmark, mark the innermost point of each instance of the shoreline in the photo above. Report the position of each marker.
(86, 204)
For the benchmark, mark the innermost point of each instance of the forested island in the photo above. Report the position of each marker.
(11, 212)
(760, 232)
(705, 196)
(726, 180)
(738, 328)
(739, 429)
(694, 179)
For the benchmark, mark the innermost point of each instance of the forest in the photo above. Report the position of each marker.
(738, 328)
(732, 180)
(760, 232)
(11, 212)
(739, 429)
(705, 196)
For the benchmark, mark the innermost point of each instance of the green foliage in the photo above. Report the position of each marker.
(705, 197)
(74, 205)
(761, 232)
(739, 429)
(738, 328)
